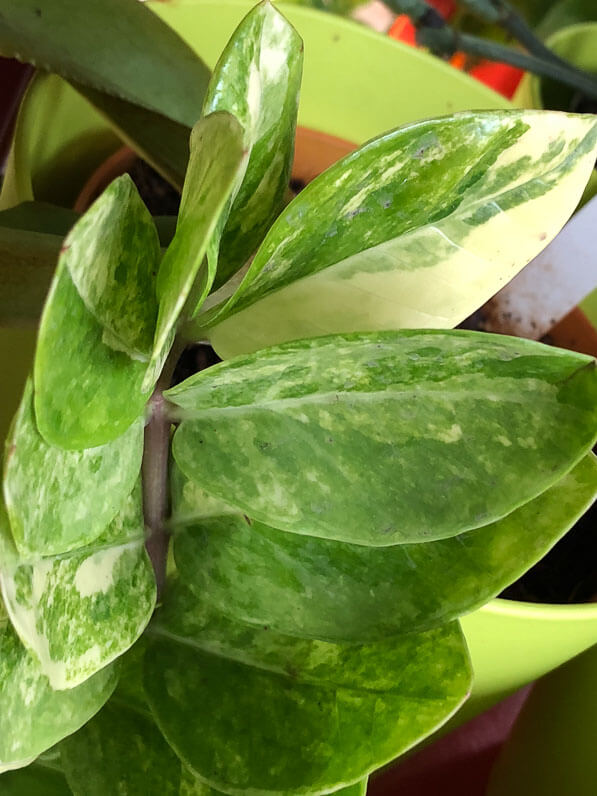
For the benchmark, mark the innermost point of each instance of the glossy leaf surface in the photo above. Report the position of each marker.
(249, 709)
(121, 751)
(34, 717)
(88, 391)
(217, 159)
(331, 590)
(58, 500)
(76, 613)
(387, 437)
(257, 80)
(414, 230)
(112, 255)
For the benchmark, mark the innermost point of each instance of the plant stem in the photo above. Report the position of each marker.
(447, 41)
(154, 470)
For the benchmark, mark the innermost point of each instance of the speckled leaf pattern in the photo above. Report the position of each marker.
(59, 500)
(121, 751)
(415, 230)
(87, 392)
(257, 79)
(250, 709)
(112, 255)
(33, 716)
(78, 612)
(387, 437)
(217, 159)
(332, 590)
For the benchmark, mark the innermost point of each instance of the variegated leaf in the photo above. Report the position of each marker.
(257, 79)
(88, 391)
(33, 716)
(112, 255)
(121, 751)
(414, 230)
(251, 710)
(78, 612)
(317, 588)
(59, 500)
(217, 159)
(387, 437)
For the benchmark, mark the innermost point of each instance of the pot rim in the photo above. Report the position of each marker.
(579, 612)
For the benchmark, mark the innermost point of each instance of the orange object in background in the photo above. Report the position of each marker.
(502, 78)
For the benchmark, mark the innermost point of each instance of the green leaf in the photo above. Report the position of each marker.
(161, 142)
(78, 612)
(27, 263)
(249, 709)
(33, 780)
(121, 752)
(88, 392)
(33, 716)
(39, 217)
(112, 255)
(331, 590)
(414, 230)
(142, 61)
(387, 437)
(217, 159)
(564, 13)
(257, 80)
(76, 493)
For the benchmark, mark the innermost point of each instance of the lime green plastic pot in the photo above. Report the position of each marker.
(356, 85)
(551, 749)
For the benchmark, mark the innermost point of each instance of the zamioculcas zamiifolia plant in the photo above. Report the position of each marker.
(352, 478)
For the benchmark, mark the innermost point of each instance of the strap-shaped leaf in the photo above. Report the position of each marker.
(331, 590)
(252, 710)
(33, 716)
(414, 230)
(78, 612)
(27, 263)
(77, 493)
(88, 391)
(257, 80)
(112, 255)
(387, 437)
(217, 159)
(142, 61)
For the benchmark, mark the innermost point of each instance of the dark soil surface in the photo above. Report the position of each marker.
(159, 196)
(568, 573)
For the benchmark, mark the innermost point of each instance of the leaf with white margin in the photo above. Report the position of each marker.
(112, 254)
(386, 437)
(257, 79)
(416, 229)
(217, 160)
(33, 716)
(80, 611)
(317, 588)
(87, 392)
(248, 709)
(58, 500)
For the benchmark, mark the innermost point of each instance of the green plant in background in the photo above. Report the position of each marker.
(339, 491)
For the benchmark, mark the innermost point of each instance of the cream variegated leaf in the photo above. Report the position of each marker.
(414, 230)
(33, 716)
(257, 80)
(79, 611)
(59, 500)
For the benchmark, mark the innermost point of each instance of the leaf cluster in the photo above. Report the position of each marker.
(349, 481)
